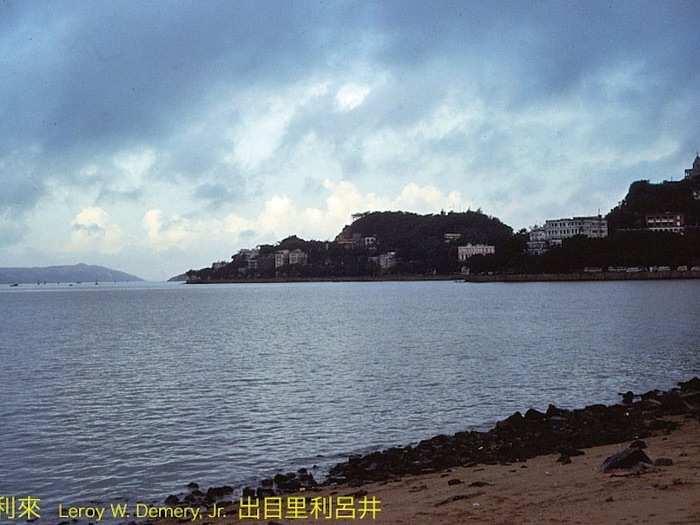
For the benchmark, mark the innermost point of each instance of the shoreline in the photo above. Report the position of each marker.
(530, 445)
(348, 279)
(517, 278)
(539, 491)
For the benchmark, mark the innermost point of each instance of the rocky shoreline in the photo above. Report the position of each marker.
(515, 439)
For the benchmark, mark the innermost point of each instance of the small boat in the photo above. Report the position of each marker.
(13, 285)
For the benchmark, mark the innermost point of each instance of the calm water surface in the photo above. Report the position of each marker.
(116, 392)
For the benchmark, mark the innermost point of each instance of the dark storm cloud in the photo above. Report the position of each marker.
(86, 80)
(217, 194)
(119, 71)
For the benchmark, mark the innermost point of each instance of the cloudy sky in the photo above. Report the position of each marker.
(155, 137)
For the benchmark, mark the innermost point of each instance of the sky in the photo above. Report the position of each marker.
(158, 136)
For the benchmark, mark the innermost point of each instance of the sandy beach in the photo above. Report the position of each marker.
(539, 490)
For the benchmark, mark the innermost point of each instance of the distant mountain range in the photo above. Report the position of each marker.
(63, 274)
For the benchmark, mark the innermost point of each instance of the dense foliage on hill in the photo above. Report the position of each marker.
(621, 249)
(418, 242)
(645, 198)
(398, 230)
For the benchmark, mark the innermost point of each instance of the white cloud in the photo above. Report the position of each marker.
(280, 216)
(351, 96)
(264, 119)
(92, 230)
(165, 233)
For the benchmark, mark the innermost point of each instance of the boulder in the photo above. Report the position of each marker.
(692, 385)
(625, 459)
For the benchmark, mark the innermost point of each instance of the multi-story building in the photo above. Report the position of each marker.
(281, 258)
(369, 242)
(556, 230)
(298, 257)
(537, 243)
(666, 222)
(249, 256)
(449, 237)
(219, 264)
(470, 250)
(694, 172)
(387, 260)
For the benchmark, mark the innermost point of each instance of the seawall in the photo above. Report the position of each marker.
(582, 276)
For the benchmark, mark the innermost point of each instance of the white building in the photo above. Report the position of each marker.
(281, 258)
(470, 250)
(594, 227)
(369, 242)
(297, 257)
(387, 260)
(537, 243)
(449, 237)
(666, 222)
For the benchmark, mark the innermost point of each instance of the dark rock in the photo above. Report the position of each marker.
(454, 481)
(571, 452)
(692, 385)
(628, 397)
(248, 492)
(172, 500)
(262, 493)
(459, 497)
(625, 459)
(564, 459)
(267, 482)
(289, 483)
(555, 411)
(515, 439)
(534, 416)
(663, 462)
(609, 499)
(652, 394)
(638, 443)
(192, 486)
(191, 499)
(215, 493)
(514, 422)
(480, 484)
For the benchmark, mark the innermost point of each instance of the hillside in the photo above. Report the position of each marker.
(61, 274)
(644, 197)
(398, 230)
(376, 243)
